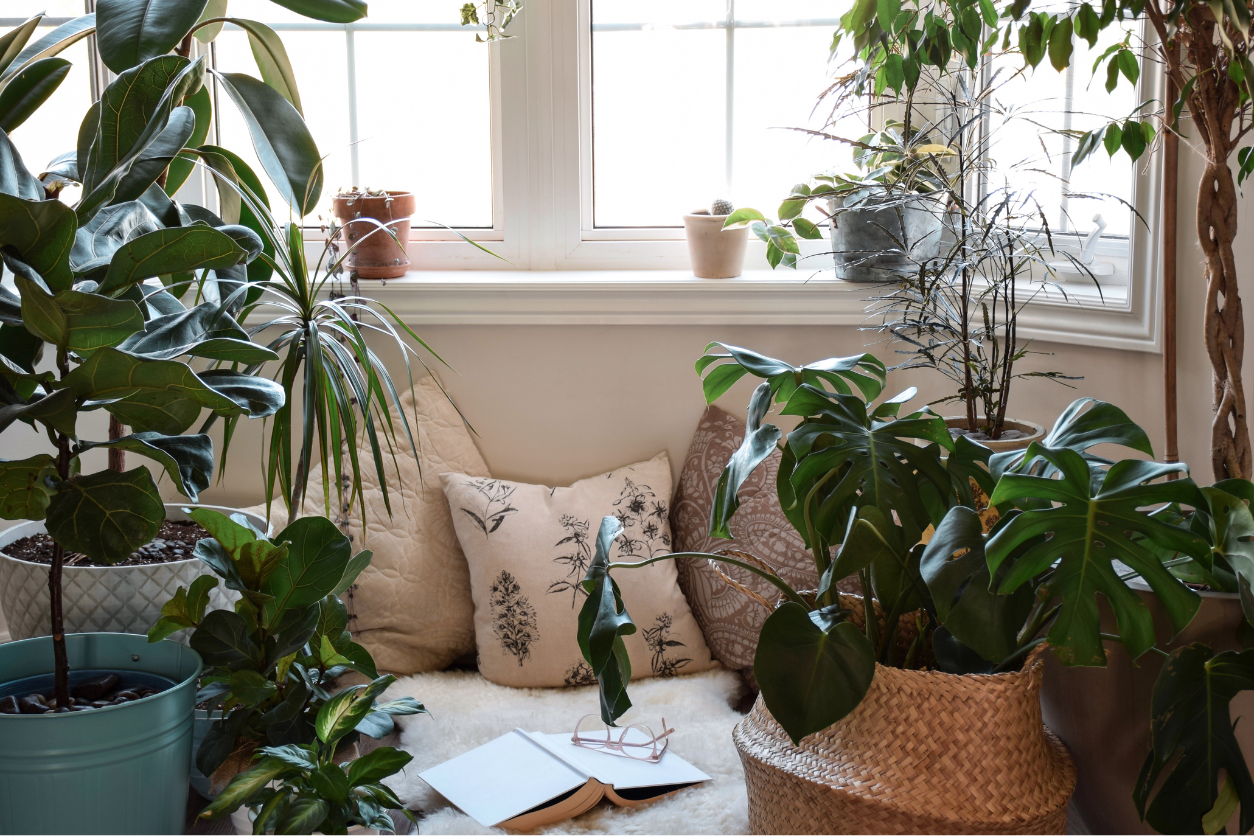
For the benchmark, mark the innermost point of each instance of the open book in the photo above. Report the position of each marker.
(523, 780)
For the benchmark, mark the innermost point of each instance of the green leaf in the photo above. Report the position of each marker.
(57, 410)
(1087, 24)
(759, 442)
(1087, 527)
(813, 668)
(888, 11)
(11, 42)
(1232, 537)
(989, 12)
(203, 331)
(272, 60)
(331, 11)
(41, 315)
(42, 234)
(144, 171)
(603, 621)
(181, 167)
(213, 9)
(230, 535)
(29, 89)
(111, 375)
(106, 515)
(304, 814)
(807, 229)
(185, 609)
(250, 687)
(170, 251)
(318, 554)
(282, 141)
(129, 32)
(1060, 44)
(1085, 423)
(377, 765)
(1128, 65)
(54, 42)
(246, 784)
(107, 231)
(24, 489)
(340, 714)
(330, 782)
(1192, 732)
(356, 565)
(223, 640)
(187, 459)
(741, 218)
(227, 165)
(15, 179)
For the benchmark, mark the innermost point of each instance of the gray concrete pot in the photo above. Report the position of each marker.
(862, 237)
(1103, 714)
(99, 599)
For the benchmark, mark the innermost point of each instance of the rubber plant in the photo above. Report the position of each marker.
(974, 585)
(271, 663)
(98, 282)
(1203, 47)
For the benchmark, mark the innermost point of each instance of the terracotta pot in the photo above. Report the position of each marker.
(1034, 432)
(1103, 714)
(924, 752)
(716, 253)
(377, 256)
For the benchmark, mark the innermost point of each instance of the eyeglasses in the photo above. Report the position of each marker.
(636, 741)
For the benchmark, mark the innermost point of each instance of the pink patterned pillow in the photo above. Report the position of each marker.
(729, 619)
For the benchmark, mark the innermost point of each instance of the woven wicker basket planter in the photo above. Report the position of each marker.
(925, 752)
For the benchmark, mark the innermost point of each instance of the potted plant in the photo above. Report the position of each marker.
(959, 621)
(375, 256)
(99, 287)
(300, 788)
(717, 252)
(271, 662)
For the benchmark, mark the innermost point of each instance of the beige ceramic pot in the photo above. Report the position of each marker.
(376, 256)
(1103, 714)
(716, 253)
(1031, 432)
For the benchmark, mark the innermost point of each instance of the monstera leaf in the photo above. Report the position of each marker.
(1078, 428)
(864, 371)
(759, 442)
(841, 457)
(1192, 732)
(1090, 527)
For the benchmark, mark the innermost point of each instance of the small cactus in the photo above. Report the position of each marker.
(721, 207)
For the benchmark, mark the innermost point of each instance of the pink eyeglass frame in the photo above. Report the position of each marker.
(618, 747)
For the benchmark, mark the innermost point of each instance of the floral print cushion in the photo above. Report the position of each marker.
(529, 546)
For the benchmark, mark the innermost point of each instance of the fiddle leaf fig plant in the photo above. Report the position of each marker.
(271, 663)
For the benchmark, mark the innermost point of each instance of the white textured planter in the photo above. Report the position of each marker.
(100, 599)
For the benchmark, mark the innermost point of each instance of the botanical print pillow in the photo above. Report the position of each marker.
(528, 548)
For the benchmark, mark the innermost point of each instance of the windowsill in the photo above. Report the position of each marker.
(676, 297)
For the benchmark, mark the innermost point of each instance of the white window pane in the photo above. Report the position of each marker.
(53, 129)
(319, 60)
(434, 139)
(660, 93)
(24, 9)
(263, 10)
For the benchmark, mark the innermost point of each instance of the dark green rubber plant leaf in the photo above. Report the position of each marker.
(272, 61)
(170, 251)
(841, 458)
(156, 159)
(281, 139)
(25, 487)
(318, 553)
(330, 11)
(759, 442)
(109, 230)
(59, 39)
(813, 667)
(239, 177)
(1085, 423)
(1087, 529)
(956, 572)
(78, 321)
(223, 640)
(42, 233)
(722, 369)
(30, 88)
(187, 459)
(1191, 731)
(15, 178)
(181, 167)
(106, 515)
(13, 41)
(129, 32)
(603, 621)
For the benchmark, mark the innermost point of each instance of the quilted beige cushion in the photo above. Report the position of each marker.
(529, 547)
(730, 620)
(411, 608)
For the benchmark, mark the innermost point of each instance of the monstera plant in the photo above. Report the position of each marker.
(128, 301)
(969, 569)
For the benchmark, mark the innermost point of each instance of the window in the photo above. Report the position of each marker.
(400, 100)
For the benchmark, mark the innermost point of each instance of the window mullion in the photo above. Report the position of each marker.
(354, 162)
(729, 116)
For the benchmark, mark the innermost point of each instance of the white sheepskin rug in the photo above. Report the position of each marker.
(468, 711)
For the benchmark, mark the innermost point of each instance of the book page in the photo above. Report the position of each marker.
(503, 778)
(624, 773)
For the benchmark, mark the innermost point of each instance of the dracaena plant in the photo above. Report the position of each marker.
(272, 661)
(301, 789)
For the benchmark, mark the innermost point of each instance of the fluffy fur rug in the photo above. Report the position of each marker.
(468, 711)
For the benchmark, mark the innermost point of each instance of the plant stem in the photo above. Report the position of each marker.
(117, 458)
(1040, 618)
(1004, 664)
(868, 608)
(60, 659)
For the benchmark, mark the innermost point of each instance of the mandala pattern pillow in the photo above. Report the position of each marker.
(528, 548)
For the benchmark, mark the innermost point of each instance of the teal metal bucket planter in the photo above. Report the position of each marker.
(121, 769)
